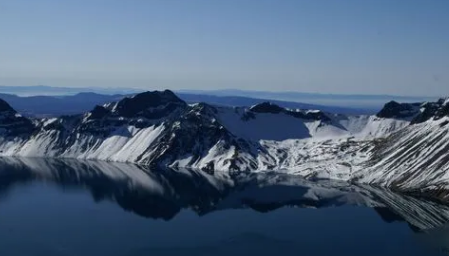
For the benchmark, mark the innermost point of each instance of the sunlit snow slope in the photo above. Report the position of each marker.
(404, 145)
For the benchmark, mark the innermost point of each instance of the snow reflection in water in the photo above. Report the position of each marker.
(46, 209)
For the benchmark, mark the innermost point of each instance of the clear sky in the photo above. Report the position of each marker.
(328, 46)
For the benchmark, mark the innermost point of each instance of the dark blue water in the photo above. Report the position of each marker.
(52, 209)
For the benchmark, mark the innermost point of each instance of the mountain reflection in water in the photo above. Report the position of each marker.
(166, 194)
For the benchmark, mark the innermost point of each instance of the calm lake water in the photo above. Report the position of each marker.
(91, 208)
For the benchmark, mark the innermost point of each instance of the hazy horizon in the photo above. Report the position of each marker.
(372, 47)
(22, 90)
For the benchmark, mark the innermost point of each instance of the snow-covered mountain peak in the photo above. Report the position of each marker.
(141, 110)
(158, 128)
(415, 112)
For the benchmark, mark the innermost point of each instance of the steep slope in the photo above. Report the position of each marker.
(159, 128)
(11, 123)
(416, 157)
(404, 146)
(267, 121)
(394, 109)
(148, 128)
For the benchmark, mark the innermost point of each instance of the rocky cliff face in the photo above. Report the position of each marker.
(404, 145)
(13, 124)
(394, 109)
(432, 110)
(416, 112)
(415, 158)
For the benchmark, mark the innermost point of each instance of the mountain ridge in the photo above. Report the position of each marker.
(53, 106)
(158, 128)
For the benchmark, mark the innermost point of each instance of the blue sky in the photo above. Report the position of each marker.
(327, 46)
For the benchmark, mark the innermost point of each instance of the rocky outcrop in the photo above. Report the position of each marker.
(394, 109)
(12, 123)
(267, 107)
(159, 129)
(432, 110)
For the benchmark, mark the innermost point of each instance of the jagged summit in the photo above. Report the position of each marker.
(148, 105)
(432, 110)
(394, 109)
(11, 123)
(158, 128)
(98, 112)
(416, 112)
(129, 107)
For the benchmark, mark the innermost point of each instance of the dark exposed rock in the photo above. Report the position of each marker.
(443, 110)
(145, 103)
(267, 107)
(182, 131)
(310, 115)
(418, 112)
(394, 109)
(429, 110)
(435, 110)
(193, 133)
(13, 124)
(4, 106)
(141, 110)
(98, 112)
(444, 123)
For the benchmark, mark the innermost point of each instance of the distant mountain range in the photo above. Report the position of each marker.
(403, 147)
(50, 106)
(341, 100)
(360, 101)
(39, 90)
